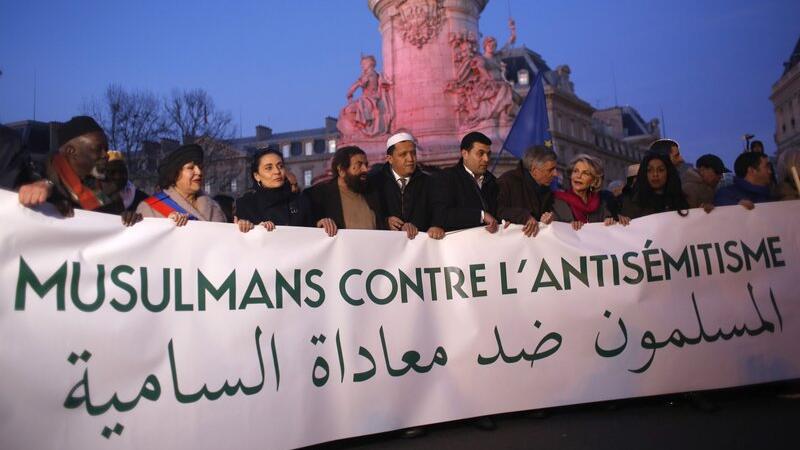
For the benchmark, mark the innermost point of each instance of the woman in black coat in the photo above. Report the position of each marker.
(657, 189)
(272, 202)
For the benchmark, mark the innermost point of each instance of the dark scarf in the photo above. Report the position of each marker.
(580, 210)
(270, 197)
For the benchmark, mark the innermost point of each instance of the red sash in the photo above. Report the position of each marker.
(87, 198)
(164, 205)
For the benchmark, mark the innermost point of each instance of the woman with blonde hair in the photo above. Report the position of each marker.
(582, 203)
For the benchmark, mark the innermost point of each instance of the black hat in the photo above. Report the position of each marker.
(712, 162)
(77, 126)
(173, 162)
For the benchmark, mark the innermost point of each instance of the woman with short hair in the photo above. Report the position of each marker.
(180, 178)
(582, 203)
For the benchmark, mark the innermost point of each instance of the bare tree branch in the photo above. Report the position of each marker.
(192, 115)
(128, 117)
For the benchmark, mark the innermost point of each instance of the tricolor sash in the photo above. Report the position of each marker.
(162, 203)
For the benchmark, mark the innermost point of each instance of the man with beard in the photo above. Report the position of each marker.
(70, 175)
(405, 189)
(466, 194)
(347, 200)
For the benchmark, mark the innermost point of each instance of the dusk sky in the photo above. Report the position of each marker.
(708, 65)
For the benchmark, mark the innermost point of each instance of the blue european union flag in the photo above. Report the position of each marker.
(531, 127)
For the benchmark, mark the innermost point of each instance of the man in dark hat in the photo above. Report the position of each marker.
(68, 182)
(700, 183)
(81, 145)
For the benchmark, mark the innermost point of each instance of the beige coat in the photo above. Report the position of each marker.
(696, 191)
(205, 209)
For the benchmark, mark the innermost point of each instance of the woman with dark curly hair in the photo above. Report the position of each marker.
(657, 189)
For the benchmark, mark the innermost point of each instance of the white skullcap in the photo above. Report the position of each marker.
(399, 137)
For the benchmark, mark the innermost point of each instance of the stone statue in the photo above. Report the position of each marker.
(564, 83)
(654, 127)
(371, 114)
(483, 92)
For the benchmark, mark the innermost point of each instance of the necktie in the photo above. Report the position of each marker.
(403, 182)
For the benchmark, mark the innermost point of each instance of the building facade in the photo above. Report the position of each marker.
(618, 135)
(786, 100)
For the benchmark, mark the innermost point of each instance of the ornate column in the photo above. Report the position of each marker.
(426, 46)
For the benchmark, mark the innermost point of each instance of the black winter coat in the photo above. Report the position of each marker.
(413, 204)
(460, 201)
(280, 206)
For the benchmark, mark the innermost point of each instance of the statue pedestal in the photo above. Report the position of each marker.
(425, 44)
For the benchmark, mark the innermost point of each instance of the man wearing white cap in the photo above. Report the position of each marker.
(405, 189)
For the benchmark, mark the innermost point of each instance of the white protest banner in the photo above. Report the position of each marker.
(203, 337)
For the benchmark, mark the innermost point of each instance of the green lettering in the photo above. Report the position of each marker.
(116, 281)
(314, 286)
(540, 283)
(343, 287)
(205, 286)
(26, 278)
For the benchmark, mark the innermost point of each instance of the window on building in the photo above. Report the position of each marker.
(308, 148)
(308, 175)
(297, 149)
(523, 77)
(286, 149)
(319, 146)
(233, 185)
(331, 145)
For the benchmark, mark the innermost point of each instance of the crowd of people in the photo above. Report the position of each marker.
(401, 194)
